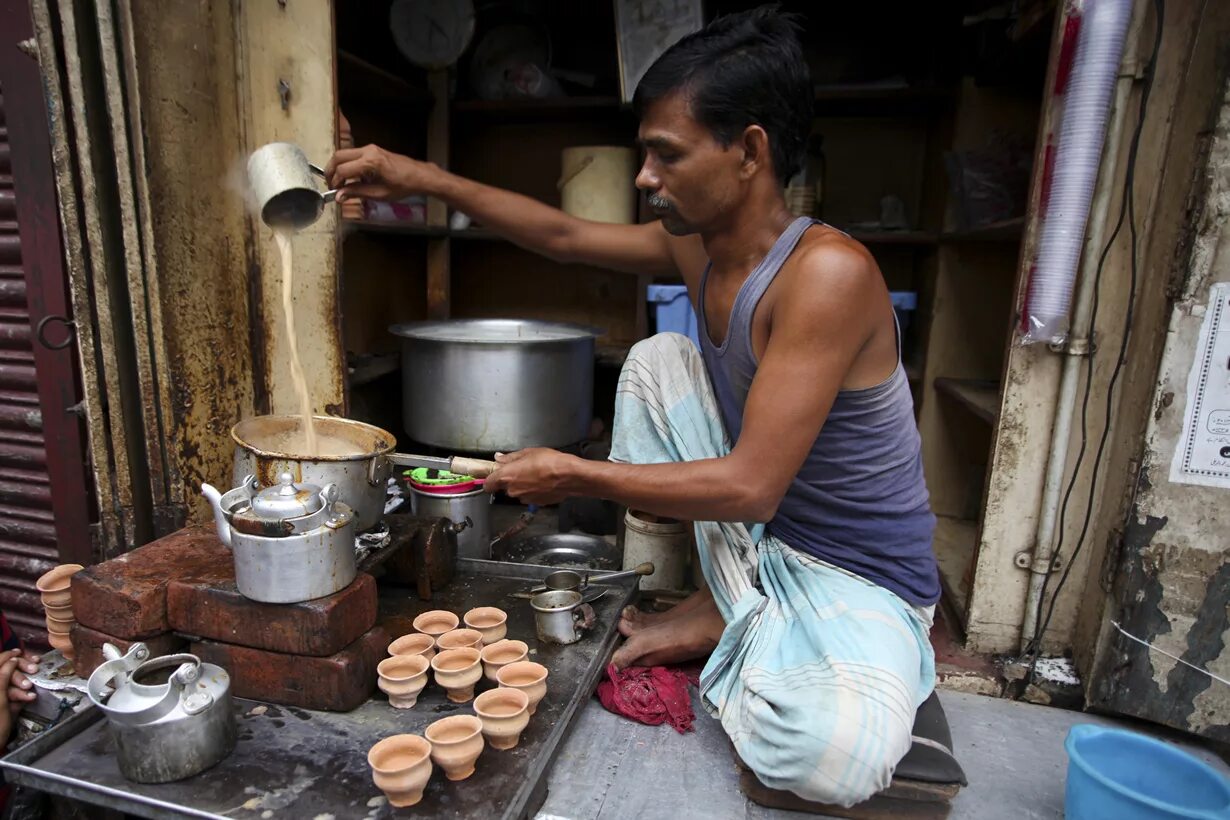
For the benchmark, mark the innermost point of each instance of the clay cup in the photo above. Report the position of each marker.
(60, 625)
(402, 677)
(505, 714)
(416, 643)
(490, 621)
(460, 639)
(456, 742)
(457, 670)
(501, 654)
(62, 643)
(529, 677)
(401, 766)
(55, 585)
(435, 622)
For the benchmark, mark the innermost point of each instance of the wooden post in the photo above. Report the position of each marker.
(439, 277)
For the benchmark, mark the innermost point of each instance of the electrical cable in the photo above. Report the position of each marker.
(1127, 211)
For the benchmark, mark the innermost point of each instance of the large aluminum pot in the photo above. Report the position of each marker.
(266, 448)
(488, 385)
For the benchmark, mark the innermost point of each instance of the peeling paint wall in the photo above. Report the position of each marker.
(1179, 106)
(1172, 588)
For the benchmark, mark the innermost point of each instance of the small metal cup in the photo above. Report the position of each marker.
(284, 186)
(560, 617)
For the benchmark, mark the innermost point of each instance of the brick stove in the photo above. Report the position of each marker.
(179, 594)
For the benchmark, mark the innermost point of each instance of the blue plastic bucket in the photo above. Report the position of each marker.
(1124, 775)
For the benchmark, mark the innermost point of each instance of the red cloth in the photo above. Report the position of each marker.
(649, 694)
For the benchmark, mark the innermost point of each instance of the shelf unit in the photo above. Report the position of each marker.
(971, 322)
(879, 140)
(979, 397)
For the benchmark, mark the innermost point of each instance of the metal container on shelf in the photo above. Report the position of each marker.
(170, 717)
(490, 385)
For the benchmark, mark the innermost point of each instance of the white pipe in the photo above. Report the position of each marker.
(1078, 343)
(1082, 131)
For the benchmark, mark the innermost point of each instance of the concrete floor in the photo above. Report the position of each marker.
(610, 767)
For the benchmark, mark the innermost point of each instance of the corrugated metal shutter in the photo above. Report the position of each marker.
(27, 528)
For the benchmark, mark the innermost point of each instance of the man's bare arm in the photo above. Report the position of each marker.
(819, 327)
(527, 222)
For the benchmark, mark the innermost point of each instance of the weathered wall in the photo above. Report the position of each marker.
(1031, 374)
(1166, 259)
(213, 81)
(1173, 585)
(185, 63)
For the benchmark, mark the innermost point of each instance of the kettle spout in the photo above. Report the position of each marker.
(215, 499)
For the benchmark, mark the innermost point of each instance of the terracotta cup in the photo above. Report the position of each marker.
(456, 742)
(529, 677)
(505, 714)
(402, 677)
(59, 626)
(64, 611)
(62, 643)
(492, 622)
(460, 639)
(501, 654)
(54, 585)
(435, 622)
(457, 670)
(401, 766)
(416, 643)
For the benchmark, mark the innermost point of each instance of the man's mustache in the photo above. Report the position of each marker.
(660, 203)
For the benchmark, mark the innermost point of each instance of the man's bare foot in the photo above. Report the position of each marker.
(692, 634)
(634, 620)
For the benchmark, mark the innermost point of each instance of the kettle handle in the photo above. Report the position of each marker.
(331, 194)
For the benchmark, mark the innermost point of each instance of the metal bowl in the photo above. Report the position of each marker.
(573, 550)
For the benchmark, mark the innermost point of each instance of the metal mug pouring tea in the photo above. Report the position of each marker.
(284, 187)
(560, 617)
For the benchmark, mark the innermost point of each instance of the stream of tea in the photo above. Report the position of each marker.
(283, 239)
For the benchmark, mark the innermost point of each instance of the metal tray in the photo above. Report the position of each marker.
(299, 763)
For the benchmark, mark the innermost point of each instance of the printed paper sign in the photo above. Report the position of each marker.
(1203, 455)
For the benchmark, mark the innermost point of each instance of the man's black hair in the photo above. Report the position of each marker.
(742, 69)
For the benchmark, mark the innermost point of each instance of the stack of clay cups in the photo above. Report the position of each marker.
(54, 587)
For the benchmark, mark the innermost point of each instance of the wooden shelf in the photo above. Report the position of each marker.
(1007, 230)
(416, 229)
(979, 397)
(365, 369)
(891, 237)
(551, 109)
(955, 543)
(361, 81)
(879, 101)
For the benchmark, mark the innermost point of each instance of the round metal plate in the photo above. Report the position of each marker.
(565, 550)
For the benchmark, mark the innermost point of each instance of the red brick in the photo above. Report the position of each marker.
(127, 596)
(337, 683)
(88, 644)
(321, 627)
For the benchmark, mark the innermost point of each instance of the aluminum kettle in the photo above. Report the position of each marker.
(291, 542)
(171, 717)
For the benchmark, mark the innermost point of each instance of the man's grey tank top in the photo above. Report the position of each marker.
(859, 501)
